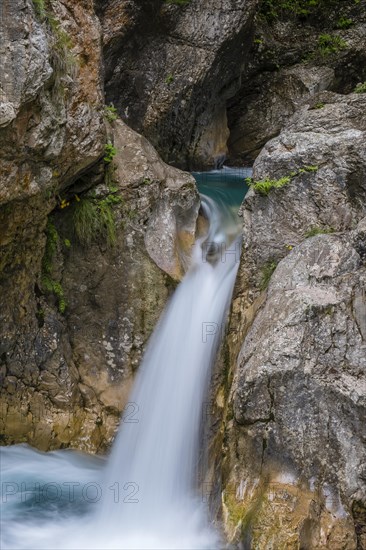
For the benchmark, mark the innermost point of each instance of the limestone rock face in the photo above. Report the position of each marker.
(295, 420)
(169, 201)
(323, 153)
(55, 131)
(171, 68)
(299, 397)
(74, 315)
(51, 96)
(52, 129)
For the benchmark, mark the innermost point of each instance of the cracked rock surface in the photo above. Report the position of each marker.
(294, 435)
(171, 68)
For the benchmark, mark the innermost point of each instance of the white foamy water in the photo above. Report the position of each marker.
(146, 494)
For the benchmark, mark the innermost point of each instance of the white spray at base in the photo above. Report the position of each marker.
(148, 487)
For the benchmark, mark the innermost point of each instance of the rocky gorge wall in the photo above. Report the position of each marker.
(181, 61)
(300, 48)
(96, 229)
(295, 418)
(293, 438)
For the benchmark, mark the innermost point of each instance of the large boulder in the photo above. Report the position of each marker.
(322, 152)
(299, 403)
(293, 438)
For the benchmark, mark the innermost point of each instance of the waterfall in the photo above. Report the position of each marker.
(150, 495)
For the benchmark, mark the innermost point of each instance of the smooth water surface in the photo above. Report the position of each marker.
(227, 187)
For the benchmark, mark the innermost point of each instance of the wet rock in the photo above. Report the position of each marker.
(168, 201)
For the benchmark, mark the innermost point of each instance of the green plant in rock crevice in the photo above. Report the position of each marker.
(360, 88)
(263, 187)
(304, 170)
(109, 177)
(109, 152)
(39, 6)
(315, 230)
(273, 10)
(266, 274)
(48, 284)
(94, 219)
(178, 2)
(329, 44)
(110, 113)
(94, 216)
(344, 23)
(62, 60)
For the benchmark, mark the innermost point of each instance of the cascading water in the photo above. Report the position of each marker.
(146, 493)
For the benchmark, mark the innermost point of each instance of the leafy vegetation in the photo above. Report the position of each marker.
(360, 88)
(278, 9)
(51, 247)
(273, 10)
(319, 105)
(263, 187)
(315, 230)
(39, 6)
(169, 79)
(94, 219)
(110, 152)
(110, 113)
(308, 168)
(266, 274)
(110, 178)
(330, 44)
(59, 293)
(344, 23)
(47, 282)
(62, 60)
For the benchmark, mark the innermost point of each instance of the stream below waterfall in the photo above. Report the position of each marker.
(146, 493)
